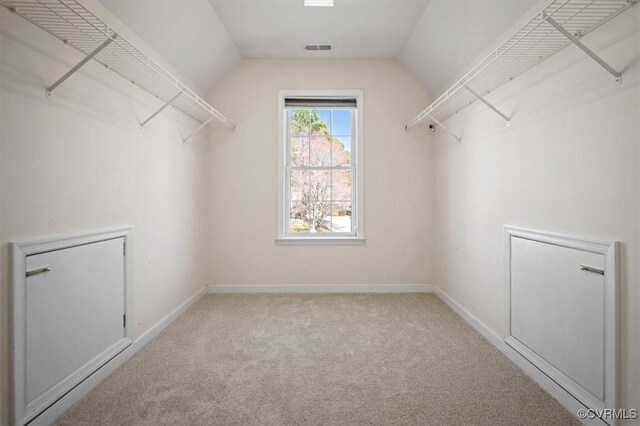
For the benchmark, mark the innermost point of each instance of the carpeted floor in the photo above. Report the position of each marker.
(376, 359)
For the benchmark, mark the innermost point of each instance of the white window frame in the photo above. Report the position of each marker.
(357, 202)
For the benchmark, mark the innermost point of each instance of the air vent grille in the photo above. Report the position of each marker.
(317, 47)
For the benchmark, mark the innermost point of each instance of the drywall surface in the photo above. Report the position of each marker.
(570, 163)
(398, 178)
(450, 33)
(188, 33)
(79, 162)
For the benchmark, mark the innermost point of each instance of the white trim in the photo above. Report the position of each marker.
(310, 241)
(358, 183)
(546, 383)
(319, 288)
(23, 411)
(608, 249)
(77, 393)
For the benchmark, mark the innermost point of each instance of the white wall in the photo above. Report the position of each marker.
(399, 192)
(569, 163)
(79, 162)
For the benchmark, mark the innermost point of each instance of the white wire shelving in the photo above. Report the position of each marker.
(75, 25)
(560, 23)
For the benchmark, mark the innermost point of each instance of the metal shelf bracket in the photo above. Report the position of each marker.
(415, 122)
(202, 126)
(585, 49)
(79, 65)
(71, 22)
(169, 102)
(484, 101)
(560, 24)
(446, 129)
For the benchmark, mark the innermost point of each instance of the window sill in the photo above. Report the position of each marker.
(320, 241)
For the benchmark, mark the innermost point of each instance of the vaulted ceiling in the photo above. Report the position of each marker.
(452, 33)
(356, 29)
(188, 34)
(204, 38)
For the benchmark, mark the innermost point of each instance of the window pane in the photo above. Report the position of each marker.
(297, 218)
(341, 185)
(310, 217)
(299, 185)
(299, 150)
(341, 122)
(320, 186)
(308, 121)
(320, 200)
(341, 151)
(300, 121)
(320, 150)
(319, 216)
(341, 217)
(325, 116)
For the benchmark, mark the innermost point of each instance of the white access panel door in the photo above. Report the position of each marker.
(557, 308)
(74, 316)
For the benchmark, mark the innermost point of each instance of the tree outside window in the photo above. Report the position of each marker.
(320, 170)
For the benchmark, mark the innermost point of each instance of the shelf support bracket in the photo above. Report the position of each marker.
(584, 48)
(202, 126)
(484, 101)
(79, 65)
(445, 128)
(169, 102)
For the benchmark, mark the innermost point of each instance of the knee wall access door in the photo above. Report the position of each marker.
(69, 315)
(562, 310)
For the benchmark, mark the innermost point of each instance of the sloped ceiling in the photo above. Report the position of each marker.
(356, 29)
(452, 33)
(436, 39)
(188, 34)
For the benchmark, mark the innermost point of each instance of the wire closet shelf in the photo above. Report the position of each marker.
(561, 23)
(75, 25)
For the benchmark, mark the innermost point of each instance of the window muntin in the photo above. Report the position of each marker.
(320, 169)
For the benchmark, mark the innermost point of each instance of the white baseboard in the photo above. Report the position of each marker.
(320, 288)
(71, 398)
(551, 387)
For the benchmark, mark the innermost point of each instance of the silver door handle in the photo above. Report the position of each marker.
(38, 271)
(590, 269)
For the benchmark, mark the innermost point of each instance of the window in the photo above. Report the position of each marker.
(320, 176)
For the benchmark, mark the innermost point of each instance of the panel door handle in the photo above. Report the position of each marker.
(38, 271)
(591, 269)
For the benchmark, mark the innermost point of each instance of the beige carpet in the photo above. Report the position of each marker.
(318, 360)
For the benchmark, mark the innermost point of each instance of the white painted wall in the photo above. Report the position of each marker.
(569, 163)
(79, 162)
(398, 178)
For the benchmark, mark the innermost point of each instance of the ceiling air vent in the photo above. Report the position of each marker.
(316, 47)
